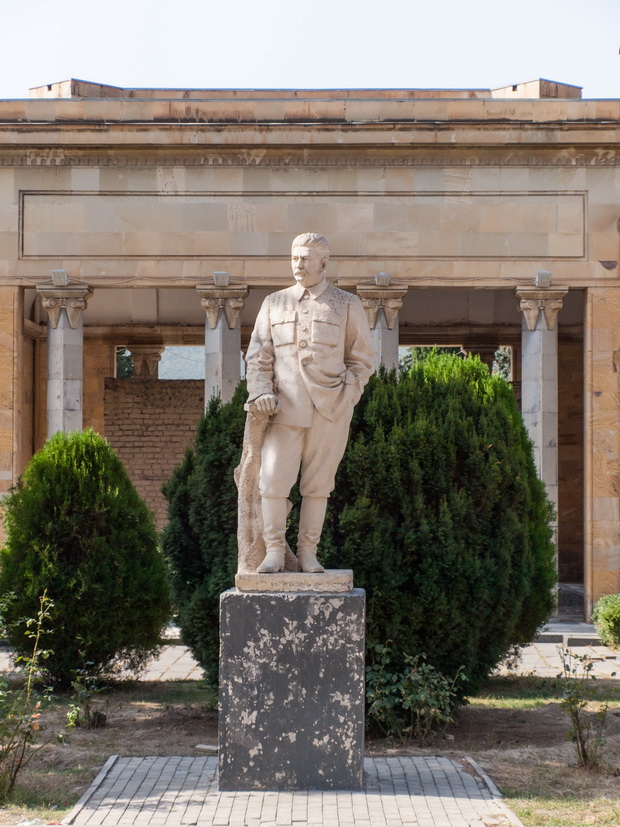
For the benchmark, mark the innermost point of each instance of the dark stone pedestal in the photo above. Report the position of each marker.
(291, 690)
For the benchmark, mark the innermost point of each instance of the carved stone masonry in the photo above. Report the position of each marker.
(534, 299)
(72, 297)
(145, 359)
(228, 299)
(374, 298)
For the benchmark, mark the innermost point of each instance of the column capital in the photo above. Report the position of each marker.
(145, 359)
(73, 297)
(230, 299)
(534, 299)
(373, 298)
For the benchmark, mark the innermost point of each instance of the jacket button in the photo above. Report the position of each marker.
(303, 344)
(305, 362)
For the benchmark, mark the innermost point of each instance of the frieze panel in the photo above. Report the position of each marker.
(303, 158)
(368, 225)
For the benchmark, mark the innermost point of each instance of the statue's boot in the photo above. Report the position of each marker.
(310, 526)
(274, 521)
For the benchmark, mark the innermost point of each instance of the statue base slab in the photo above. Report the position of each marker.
(331, 580)
(291, 690)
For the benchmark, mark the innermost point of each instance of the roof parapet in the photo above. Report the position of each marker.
(77, 89)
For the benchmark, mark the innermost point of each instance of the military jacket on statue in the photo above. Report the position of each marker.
(311, 347)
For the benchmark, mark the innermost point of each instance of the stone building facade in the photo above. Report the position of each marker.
(478, 217)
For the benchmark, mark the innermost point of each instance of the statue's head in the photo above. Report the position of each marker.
(309, 257)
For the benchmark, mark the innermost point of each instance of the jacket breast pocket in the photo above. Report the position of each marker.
(326, 329)
(283, 330)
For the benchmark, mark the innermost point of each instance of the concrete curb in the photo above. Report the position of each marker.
(498, 797)
(77, 808)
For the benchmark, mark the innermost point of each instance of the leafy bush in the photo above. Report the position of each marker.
(416, 702)
(437, 509)
(78, 531)
(606, 618)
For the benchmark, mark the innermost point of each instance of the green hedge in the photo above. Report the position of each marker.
(77, 529)
(437, 509)
(606, 618)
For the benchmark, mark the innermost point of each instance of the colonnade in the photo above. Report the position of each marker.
(382, 300)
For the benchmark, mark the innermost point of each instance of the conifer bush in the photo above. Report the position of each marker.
(437, 509)
(200, 540)
(78, 531)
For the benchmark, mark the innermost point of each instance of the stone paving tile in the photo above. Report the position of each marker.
(400, 790)
(543, 659)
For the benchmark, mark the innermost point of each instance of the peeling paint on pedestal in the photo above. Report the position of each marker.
(291, 690)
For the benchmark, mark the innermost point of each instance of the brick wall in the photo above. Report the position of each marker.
(149, 423)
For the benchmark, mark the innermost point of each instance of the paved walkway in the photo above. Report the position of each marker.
(543, 659)
(405, 790)
(539, 658)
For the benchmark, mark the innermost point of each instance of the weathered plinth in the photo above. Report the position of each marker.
(291, 690)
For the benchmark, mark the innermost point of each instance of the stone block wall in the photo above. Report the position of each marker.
(150, 423)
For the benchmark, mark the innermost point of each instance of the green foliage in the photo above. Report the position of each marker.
(606, 618)
(77, 529)
(200, 540)
(502, 364)
(587, 728)
(416, 702)
(124, 363)
(439, 512)
(419, 354)
(437, 509)
(20, 708)
(84, 711)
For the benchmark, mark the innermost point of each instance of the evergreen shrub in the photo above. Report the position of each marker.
(78, 532)
(437, 509)
(200, 540)
(606, 618)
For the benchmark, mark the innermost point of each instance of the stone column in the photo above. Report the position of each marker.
(146, 359)
(65, 345)
(11, 369)
(382, 302)
(223, 306)
(539, 378)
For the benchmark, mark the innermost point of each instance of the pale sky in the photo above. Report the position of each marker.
(322, 44)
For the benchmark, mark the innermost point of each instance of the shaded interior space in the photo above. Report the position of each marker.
(571, 605)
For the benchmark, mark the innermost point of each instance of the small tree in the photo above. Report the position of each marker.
(78, 531)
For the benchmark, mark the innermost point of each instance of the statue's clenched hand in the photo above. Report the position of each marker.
(267, 403)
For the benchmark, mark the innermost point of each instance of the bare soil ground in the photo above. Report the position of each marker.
(520, 742)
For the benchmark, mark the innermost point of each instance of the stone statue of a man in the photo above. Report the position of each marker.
(308, 361)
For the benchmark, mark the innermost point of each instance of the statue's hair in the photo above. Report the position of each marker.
(312, 240)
